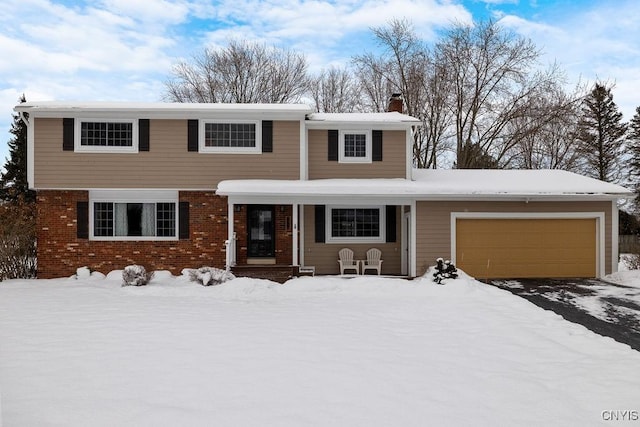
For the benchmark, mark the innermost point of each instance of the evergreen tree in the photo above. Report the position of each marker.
(13, 181)
(601, 134)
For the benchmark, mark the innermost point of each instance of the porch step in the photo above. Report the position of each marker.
(277, 273)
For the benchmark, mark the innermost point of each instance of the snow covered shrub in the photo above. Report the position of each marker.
(208, 276)
(632, 258)
(83, 273)
(135, 275)
(444, 270)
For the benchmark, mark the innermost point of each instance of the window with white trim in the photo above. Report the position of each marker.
(121, 217)
(230, 136)
(134, 220)
(354, 146)
(348, 224)
(107, 136)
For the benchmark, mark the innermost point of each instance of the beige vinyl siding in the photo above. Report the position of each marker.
(393, 164)
(433, 224)
(168, 164)
(324, 256)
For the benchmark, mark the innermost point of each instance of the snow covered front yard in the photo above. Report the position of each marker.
(313, 352)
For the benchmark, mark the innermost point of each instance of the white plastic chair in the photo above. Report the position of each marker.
(373, 261)
(347, 262)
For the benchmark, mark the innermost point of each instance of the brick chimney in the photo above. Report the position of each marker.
(395, 103)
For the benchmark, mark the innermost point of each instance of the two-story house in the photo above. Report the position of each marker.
(171, 186)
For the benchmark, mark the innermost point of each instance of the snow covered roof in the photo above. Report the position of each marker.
(457, 184)
(520, 182)
(363, 118)
(155, 109)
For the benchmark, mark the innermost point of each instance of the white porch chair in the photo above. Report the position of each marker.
(347, 262)
(373, 261)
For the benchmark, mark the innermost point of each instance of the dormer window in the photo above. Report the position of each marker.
(354, 146)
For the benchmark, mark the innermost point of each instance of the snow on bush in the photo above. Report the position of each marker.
(135, 275)
(444, 270)
(83, 273)
(208, 276)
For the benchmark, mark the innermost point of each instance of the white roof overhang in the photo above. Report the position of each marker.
(390, 191)
(163, 110)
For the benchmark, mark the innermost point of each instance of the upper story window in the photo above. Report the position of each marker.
(354, 146)
(106, 136)
(230, 137)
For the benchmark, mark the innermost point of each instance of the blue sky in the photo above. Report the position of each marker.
(122, 50)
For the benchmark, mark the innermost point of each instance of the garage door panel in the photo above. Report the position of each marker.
(530, 247)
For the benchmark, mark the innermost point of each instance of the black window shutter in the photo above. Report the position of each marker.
(376, 145)
(391, 224)
(192, 135)
(67, 134)
(82, 211)
(267, 136)
(320, 234)
(183, 215)
(333, 146)
(143, 135)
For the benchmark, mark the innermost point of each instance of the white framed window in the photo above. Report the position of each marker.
(354, 146)
(95, 135)
(230, 136)
(123, 216)
(355, 224)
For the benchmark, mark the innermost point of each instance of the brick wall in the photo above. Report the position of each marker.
(60, 252)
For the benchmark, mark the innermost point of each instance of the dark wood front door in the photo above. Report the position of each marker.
(261, 231)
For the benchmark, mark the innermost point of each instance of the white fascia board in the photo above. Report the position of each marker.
(359, 124)
(517, 197)
(317, 199)
(177, 115)
(167, 110)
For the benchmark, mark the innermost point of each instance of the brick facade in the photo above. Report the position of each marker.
(60, 252)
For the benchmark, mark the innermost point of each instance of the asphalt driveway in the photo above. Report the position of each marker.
(605, 308)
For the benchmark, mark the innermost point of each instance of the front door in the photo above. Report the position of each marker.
(261, 231)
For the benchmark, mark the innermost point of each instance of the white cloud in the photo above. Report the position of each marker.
(596, 43)
(323, 29)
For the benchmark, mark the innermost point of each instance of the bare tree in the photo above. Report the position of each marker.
(490, 70)
(241, 72)
(407, 67)
(335, 90)
(551, 142)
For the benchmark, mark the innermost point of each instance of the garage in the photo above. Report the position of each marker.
(527, 247)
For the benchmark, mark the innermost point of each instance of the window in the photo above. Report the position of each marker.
(230, 137)
(355, 146)
(120, 221)
(133, 214)
(113, 136)
(351, 224)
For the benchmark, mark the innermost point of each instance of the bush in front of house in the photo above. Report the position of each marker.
(17, 239)
(135, 275)
(208, 276)
(444, 270)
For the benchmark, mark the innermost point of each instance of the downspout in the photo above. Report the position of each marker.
(30, 149)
